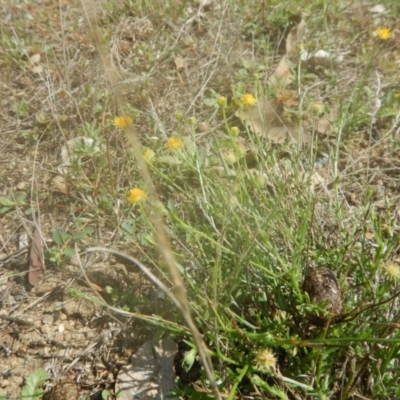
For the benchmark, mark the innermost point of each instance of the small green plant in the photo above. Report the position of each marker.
(64, 250)
(32, 390)
(10, 202)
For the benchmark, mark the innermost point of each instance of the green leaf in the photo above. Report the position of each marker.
(21, 199)
(210, 102)
(28, 211)
(69, 252)
(33, 385)
(83, 233)
(60, 237)
(128, 227)
(5, 201)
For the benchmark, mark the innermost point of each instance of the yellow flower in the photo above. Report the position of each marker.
(123, 121)
(222, 102)
(136, 195)
(317, 108)
(392, 270)
(383, 33)
(248, 100)
(148, 155)
(173, 144)
(229, 157)
(242, 149)
(265, 360)
(234, 131)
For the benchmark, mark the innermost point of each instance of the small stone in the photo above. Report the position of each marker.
(90, 335)
(71, 325)
(63, 317)
(22, 185)
(18, 380)
(45, 329)
(47, 320)
(37, 324)
(77, 336)
(4, 383)
(59, 337)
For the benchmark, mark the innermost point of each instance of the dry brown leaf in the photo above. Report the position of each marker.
(35, 59)
(59, 184)
(264, 114)
(282, 71)
(179, 63)
(35, 258)
(265, 119)
(37, 69)
(295, 36)
(286, 97)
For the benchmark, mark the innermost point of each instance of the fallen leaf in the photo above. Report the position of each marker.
(283, 70)
(35, 258)
(37, 69)
(295, 35)
(59, 184)
(35, 59)
(179, 63)
(265, 113)
(265, 119)
(286, 97)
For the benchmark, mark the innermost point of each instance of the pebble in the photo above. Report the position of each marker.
(59, 337)
(37, 324)
(47, 319)
(45, 329)
(90, 334)
(22, 185)
(18, 380)
(63, 317)
(77, 336)
(4, 383)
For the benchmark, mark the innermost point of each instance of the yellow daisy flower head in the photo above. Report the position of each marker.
(317, 108)
(222, 101)
(173, 143)
(242, 149)
(123, 121)
(248, 100)
(265, 360)
(136, 195)
(229, 157)
(384, 33)
(148, 155)
(234, 131)
(392, 270)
